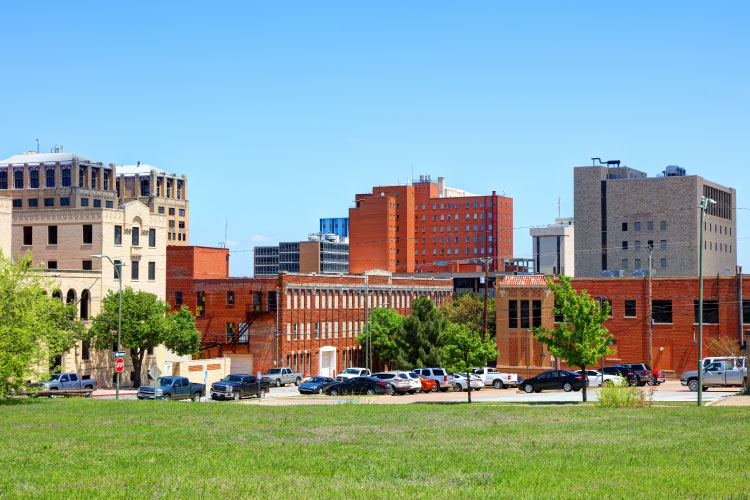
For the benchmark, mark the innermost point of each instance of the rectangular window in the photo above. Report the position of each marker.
(108, 204)
(161, 210)
(97, 203)
(624, 245)
(524, 314)
(52, 264)
(106, 180)
(512, 314)
(152, 271)
(27, 235)
(33, 202)
(152, 238)
(536, 313)
(630, 308)
(710, 311)
(49, 175)
(230, 298)
(118, 235)
(637, 246)
(18, 203)
(18, 179)
(661, 311)
(171, 211)
(663, 225)
(135, 236)
(134, 270)
(650, 225)
(94, 172)
(84, 202)
(624, 263)
(64, 202)
(34, 178)
(3, 179)
(178, 298)
(87, 265)
(637, 264)
(230, 330)
(52, 235)
(49, 202)
(200, 304)
(65, 177)
(88, 234)
(663, 263)
(117, 269)
(663, 244)
(650, 244)
(182, 212)
(559, 318)
(624, 227)
(637, 227)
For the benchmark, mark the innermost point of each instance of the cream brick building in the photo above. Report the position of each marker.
(5, 225)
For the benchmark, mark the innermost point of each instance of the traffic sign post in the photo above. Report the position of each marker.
(119, 365)
(119, 354)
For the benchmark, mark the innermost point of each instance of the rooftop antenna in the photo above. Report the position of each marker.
(139, 164)
(226, 223)
(37, 146)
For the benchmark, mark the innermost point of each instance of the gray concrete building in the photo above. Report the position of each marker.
(620, 213)
(320, 254)
(553, 247)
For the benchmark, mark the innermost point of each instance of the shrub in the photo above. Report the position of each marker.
(622, 395)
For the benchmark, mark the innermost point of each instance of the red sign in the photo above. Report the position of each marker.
(119, 365)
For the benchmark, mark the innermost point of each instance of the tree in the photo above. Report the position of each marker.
(384, 331)
(468, 309)
(463, 349)
(146, 324)
(421, 331)
(729, 347)
(34, 326)
(580, 339)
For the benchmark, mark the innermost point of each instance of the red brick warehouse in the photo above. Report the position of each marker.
(427, 227)
(308, 322)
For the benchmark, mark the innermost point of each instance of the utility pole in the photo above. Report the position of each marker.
(650, 320)
(704, 204)
(486, 286)
(367, 324)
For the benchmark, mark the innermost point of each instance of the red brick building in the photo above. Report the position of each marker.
(427, 227)
(674, 345)
(305, 321)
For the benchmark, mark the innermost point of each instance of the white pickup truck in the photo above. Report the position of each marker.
(353, 372)
(498, 380)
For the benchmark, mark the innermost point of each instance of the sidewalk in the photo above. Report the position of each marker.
(106, 393)
(733, 401)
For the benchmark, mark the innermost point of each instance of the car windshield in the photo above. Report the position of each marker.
(315, 380)
(232, 378)
(351, 371)
(56, 376)
(164, 382)
(413, 375)
(273, 371)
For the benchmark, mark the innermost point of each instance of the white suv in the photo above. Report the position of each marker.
(441, 377)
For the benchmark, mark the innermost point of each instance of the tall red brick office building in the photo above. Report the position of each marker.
(306, 321)
(428, 227)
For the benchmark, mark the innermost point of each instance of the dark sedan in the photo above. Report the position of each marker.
(554, 379)
(358, 385)
(314, 385)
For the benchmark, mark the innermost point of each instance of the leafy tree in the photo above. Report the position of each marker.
(463, 349)
(419, 346)
(146, 324)
(384, 331)
(580, 339)
(34, 327)
(729, 347)
(468, 309)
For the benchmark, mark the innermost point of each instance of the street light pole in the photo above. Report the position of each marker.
(704, 204)
(118, 269)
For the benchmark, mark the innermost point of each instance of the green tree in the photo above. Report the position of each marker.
(419, 345)
(468, 309)
(384, 330)
(463, 349)
(34, 327)
(580, 339)
(146, 324)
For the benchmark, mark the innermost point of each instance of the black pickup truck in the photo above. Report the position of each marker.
(237, 386)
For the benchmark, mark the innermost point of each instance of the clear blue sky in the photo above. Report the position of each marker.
(280, 111)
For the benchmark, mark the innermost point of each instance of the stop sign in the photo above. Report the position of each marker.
(119, 365)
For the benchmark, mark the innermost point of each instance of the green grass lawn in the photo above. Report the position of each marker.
(129, 449)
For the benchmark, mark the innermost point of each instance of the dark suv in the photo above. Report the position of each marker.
(623, 372)
(643, 373)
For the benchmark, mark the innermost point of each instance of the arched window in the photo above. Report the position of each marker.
(57, 294)
(70, 297)
(85, 304)
(135, 234)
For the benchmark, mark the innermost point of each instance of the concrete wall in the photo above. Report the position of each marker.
(5, 226)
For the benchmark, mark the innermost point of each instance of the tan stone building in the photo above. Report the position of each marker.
(5, 225)
(164, 193)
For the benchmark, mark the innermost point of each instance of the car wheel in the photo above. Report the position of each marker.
(278, 382)
(91, 387)
(498, 384)
(262, 393)
(457, 387)
(608, 383)
(391, 390)
(651, 382)
(213, 396)
(705, 388)
(412, 391)
(567, 387)
(167, 397)
(196, 397)
(333, 392)
(693, 385)
(437, 386)
(298, 382)
(528, 388)
(370, 391)
(236, 396)
(577, 389)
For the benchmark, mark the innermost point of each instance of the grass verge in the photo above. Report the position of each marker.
(70, 449)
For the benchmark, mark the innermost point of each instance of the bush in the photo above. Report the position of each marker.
(622, 395)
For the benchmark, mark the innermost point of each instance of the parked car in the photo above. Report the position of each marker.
(738, 361)
(643, 373)
(399, 381)
(723, 373)
(428, 385)
(68, 381)
(460, 384)
(594, 378)
(416, 382)
(358, 385)
(621, 371)
(172, 388)
(283, 376)
(237, 386)
(353, 372)
(314, 385)
(439, 375)
(493, 377)
(554, 379)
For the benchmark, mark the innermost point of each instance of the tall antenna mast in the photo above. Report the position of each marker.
(558, 207)
(226, 223)
(37, 146)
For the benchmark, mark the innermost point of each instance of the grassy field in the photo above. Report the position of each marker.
(104, 449)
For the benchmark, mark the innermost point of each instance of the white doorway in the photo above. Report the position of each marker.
(327, 366)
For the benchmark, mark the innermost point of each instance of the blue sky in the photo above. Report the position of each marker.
(280, 112)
